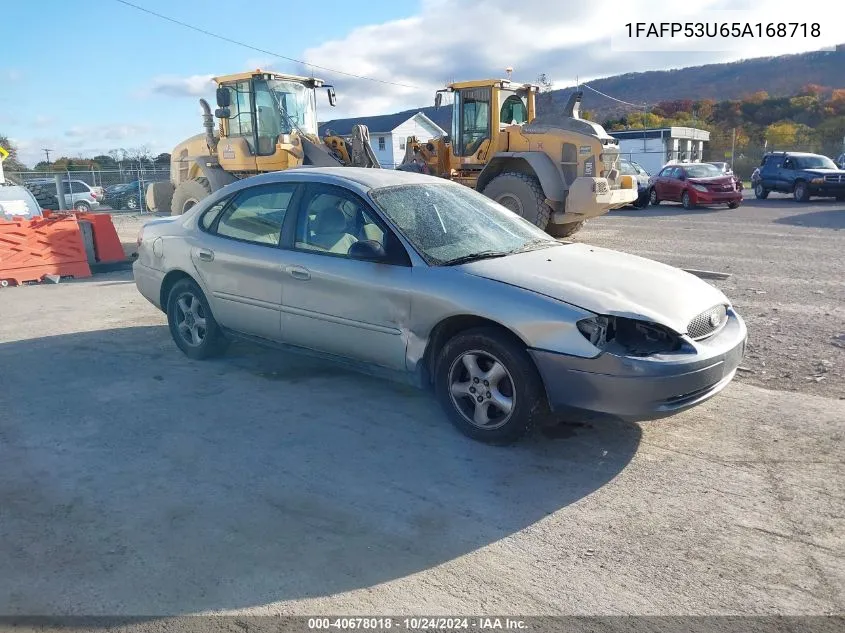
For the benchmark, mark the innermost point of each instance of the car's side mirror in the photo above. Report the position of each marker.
(332, 96)
(682, 177)
(367, 250)
(222, 113)
(438, 99)
(224, 98)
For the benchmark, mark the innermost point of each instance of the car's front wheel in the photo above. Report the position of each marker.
(652, 197)
(488, 386)
(801, 193)
(192, 325)
(686, 200)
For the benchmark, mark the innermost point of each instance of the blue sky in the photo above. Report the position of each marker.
(94, 75)
(84, 79)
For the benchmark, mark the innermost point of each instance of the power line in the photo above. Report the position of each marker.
(261, 50)
(627, 103)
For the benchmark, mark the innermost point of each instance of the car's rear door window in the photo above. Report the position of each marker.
(256, 214)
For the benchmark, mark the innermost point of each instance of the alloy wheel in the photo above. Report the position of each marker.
(482, 389)
(190, 319)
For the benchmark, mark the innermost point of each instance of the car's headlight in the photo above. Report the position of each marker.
(817, 181)
(701, 188)
(629, 336)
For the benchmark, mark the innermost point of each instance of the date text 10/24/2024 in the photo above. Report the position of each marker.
(751, 30)
(416, 623)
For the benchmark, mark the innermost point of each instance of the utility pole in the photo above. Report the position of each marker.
(47, 153)
(733, 147)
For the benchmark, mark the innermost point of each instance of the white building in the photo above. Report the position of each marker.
(389, 132)
(653, 148)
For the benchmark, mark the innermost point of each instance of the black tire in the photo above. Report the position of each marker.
(686, 201)
(45, 195)
(188, 194)
(211, 340)
(564, 230)
(159, 196)
(81, 206)
(521, 385)
(521, 194)
(733, 205)
(801, 192)
(760, 192)
(652, 197)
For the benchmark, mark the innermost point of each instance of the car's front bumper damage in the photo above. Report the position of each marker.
(641, 388)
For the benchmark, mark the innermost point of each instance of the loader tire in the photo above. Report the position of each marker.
(159, 195)
(187, 194)
(45, 195)
(564, 230)
(522, 194)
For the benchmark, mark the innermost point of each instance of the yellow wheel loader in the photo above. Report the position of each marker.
(266, 122)
(554, 175)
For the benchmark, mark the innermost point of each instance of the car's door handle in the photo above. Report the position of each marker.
(205, 255)
(298, 272)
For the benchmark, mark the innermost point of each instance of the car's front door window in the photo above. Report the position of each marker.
(332, 219)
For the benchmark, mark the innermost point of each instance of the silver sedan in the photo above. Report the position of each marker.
(424, 280)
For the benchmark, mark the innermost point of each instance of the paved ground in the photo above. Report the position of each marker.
(137, 482)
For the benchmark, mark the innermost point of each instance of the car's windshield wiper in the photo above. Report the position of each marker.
(463, 259)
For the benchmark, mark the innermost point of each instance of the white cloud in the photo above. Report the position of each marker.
(476, 39)
(174, 86)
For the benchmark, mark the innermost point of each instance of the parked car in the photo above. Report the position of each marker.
(725, 169)
(79, 195)
(694, 184)
(630, 168)
(803, 175)
(413, 277)
(125, 196)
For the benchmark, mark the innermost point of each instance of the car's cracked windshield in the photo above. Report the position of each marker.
(450, 224)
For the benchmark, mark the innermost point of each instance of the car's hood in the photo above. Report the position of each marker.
(823, 171)
(713, 180)
(606, 282)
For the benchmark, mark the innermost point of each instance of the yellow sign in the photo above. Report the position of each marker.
(4, 154)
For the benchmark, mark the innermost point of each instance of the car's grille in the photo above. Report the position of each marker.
(721, 187)
(707, 322)
(840, 178)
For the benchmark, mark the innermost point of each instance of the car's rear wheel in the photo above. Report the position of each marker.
(81, 206)
(686, 200)
(652, 197)
(760, 192)
(192, 325)
(488, 386)
(801, 193)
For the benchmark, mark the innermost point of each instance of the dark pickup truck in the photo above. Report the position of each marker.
(802, 175)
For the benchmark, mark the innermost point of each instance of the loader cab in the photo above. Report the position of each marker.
(481, 110)
(262, 115)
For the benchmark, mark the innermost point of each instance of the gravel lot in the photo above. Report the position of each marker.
(138, 482)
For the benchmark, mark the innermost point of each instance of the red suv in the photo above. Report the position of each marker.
(695, 184)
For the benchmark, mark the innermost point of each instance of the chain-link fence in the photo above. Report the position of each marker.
(114, 189)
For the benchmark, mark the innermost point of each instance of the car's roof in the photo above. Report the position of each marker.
(363, 177)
